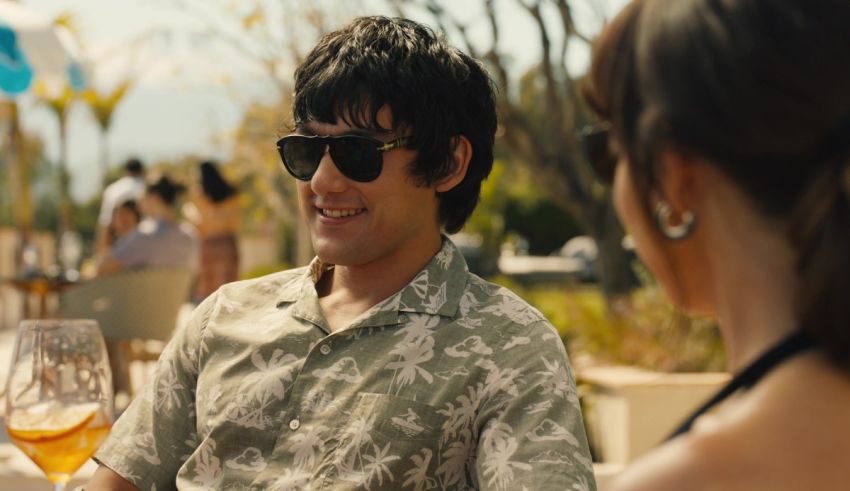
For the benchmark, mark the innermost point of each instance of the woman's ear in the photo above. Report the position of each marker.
(677, 181)
(461, 155)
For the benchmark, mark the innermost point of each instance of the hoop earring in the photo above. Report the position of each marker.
(681, 230)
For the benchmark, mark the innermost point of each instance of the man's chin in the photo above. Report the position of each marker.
(337, 254)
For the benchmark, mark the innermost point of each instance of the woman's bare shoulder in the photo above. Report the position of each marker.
(696, 461)
(790, 432)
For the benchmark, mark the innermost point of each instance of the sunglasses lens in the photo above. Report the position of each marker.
(301, 155)
(357, 158)
(597, 152)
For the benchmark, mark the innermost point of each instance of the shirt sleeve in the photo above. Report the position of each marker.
(532, 435)
(153, 437)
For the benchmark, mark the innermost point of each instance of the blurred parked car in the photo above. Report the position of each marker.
(583, 250)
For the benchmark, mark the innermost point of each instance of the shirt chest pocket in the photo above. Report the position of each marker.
(384, 439)
(397, 418)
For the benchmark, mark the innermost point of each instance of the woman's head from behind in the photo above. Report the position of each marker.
(760, 91)
(160, 197)
(214, 186)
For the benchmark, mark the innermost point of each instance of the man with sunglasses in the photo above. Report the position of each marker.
(384, 364)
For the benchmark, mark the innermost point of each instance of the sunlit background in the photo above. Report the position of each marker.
(196, 66)
(174, 82)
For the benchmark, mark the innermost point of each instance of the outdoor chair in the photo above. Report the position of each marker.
(133, 308)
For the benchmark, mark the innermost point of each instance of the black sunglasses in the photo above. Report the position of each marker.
(359, 158)
(597, 151)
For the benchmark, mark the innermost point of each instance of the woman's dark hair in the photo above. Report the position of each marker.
(435, 89)
(762, 89)
(166, 189)
(213, 184)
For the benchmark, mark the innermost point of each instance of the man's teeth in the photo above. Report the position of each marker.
(341, 213)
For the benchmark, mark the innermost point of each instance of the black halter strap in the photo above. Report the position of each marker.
(795, 343)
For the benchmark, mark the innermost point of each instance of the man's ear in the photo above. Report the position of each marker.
(461, 155)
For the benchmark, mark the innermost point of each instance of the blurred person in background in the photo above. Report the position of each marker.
(125, 217)
(729, 128)
(159, 240)
(129, 187)
(216, 213)
(384, 364)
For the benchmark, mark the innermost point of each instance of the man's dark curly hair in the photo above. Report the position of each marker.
(434, 88)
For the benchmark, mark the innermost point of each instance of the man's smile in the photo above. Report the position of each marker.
(340, 212)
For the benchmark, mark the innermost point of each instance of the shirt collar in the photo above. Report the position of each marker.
(436, 290)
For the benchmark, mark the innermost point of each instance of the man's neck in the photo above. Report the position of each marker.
(346, 292)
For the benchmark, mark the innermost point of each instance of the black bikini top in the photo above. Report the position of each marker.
(793, 344)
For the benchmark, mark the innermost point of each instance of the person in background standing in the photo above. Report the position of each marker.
(217, 215)
(129, 187)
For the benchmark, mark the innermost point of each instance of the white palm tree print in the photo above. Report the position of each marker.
(498, 446)
(376, 465)
(307, 444)
(412, 355)
(417, 476)
(168, 390)
(291, 480)
(418, 327)
(208, 471)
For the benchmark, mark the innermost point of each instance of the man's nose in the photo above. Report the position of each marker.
(328, 178)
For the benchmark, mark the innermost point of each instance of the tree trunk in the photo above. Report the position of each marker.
(64, 179)
(19, 182)
(104, 159)
(615, 263)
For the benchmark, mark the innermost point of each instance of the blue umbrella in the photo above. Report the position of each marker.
(15, 72)
(31, 46)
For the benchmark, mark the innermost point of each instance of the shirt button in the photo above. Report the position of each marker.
(325, 349)
(294, 424)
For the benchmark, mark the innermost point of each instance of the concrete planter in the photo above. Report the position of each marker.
(630, 410)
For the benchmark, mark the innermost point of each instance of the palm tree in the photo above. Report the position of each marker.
(59, 104)
(103, 105)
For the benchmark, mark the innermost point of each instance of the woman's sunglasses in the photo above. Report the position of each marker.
(358, 158)
(597, 151)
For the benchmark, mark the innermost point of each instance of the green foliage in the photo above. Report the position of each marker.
(487, 220)
(103, 104)
(46, 214)
(641, 329)
(511, 204)
(84, 219)
(543, 223)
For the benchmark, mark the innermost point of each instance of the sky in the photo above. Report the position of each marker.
(188, 92)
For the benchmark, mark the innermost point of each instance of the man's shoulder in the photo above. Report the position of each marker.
(498, 303)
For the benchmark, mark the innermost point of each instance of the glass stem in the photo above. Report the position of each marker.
(58, 486)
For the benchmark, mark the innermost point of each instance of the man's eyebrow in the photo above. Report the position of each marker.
(308, 130)
(304, 129)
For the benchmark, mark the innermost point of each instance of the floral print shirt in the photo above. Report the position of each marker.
(451, 383)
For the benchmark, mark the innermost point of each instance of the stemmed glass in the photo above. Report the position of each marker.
(59, 394)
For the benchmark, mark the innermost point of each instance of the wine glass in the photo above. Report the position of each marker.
(59, 394)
